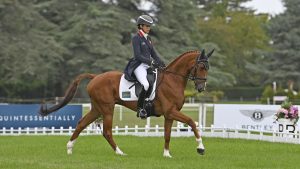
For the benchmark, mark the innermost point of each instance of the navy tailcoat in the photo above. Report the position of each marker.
(143, 52)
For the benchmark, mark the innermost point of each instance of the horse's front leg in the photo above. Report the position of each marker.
(177, 115)
(168, 129)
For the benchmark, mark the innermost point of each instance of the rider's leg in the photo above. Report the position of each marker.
(141, 75)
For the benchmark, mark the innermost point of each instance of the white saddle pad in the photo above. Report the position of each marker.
(127, 94)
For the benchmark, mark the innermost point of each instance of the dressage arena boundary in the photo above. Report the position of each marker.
(178, 131)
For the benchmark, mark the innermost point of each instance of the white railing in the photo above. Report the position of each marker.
(179, 131)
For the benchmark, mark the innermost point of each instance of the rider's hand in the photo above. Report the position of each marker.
(154, 64)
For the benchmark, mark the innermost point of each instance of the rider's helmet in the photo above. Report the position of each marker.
(144, 20)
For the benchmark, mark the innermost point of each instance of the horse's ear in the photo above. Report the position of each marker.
(202, 54)
(210, 53)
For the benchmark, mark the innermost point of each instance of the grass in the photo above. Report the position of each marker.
(90, 152)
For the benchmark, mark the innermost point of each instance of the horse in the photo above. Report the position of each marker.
(103, 90)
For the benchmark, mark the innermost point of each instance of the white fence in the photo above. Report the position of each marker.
(178, 131)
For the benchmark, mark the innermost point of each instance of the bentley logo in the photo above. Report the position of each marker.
(257, 115)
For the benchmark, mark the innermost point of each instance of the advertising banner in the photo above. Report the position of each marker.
(26, 115)
(256, 117)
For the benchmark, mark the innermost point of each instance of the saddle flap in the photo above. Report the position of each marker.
(129, 91)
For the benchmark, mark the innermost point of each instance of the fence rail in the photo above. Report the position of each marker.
(179, 131)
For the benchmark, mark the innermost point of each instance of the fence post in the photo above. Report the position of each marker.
(117, 130)
(88, 130)
(19, 130)
(156, 129)
(11, 130)
(273, 135)
(61, 130)
(148, 121)
(136, 129)
(27, 130)
(52, 130)
(212, 130)
(178, 127)
(44, 130)
(146, 129)
(70, 130)
(126, 129)
(200, 114)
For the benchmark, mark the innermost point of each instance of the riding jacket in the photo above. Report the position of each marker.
(143, 52)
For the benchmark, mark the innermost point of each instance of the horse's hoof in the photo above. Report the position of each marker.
(200, 151)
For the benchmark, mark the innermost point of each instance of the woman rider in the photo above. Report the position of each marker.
(144, 57)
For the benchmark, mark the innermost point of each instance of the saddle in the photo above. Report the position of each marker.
(130, 90)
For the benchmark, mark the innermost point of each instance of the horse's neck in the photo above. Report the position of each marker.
(182, 66)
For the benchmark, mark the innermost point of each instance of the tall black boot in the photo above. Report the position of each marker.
(141, 112)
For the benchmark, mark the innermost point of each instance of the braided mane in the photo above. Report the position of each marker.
(179, 57)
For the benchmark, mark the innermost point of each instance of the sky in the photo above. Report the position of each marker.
(273, 7)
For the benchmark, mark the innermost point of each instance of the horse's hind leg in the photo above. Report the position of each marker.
(82, 124)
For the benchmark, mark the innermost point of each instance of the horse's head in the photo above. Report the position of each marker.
(199, 71)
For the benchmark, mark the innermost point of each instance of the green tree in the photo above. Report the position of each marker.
(285, 33)
(29, 53)
(241, 38)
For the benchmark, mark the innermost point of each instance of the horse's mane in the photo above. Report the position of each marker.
(185, 53)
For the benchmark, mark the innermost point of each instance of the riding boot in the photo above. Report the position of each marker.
(141, 112)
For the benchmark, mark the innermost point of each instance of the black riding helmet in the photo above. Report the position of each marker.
(144, 20)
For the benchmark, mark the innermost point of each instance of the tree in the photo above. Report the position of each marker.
(240, 37)
(285, 33)
(29, 54)
(176, 31)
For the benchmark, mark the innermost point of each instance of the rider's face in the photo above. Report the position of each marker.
(146, 28)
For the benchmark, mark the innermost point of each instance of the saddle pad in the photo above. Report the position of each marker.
(127, 94)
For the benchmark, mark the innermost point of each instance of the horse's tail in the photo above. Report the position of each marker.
(44, 111)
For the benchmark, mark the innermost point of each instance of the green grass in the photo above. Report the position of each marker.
(91, 152)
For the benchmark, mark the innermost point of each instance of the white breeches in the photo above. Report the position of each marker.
(141, 75)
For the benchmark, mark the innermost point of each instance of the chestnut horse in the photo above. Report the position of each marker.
(103, 90)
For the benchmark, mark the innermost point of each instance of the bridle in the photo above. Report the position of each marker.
(193, 73)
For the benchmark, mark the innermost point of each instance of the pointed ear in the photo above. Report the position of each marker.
(210, 53)
(202, 54)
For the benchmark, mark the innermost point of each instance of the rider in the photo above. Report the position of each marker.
(144, 57)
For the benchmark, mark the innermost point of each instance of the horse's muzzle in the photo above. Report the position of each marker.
(200, 87)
